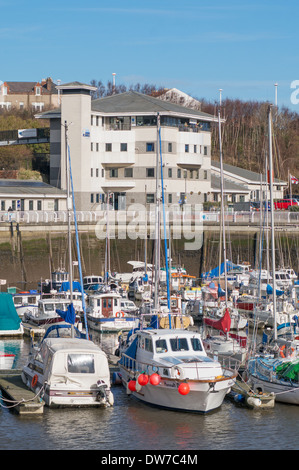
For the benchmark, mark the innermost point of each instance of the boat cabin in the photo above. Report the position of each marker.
(104, 305)
(92, 282)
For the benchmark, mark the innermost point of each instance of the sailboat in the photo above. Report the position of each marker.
(69, 371)
(277, 369)
(224, 346)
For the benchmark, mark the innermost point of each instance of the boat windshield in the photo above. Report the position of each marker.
(81, 363)
(178, 344)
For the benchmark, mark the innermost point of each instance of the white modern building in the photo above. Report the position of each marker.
(113, 144)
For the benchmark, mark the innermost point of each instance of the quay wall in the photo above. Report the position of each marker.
(30, 251)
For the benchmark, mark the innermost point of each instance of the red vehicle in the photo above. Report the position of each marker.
(284, 204)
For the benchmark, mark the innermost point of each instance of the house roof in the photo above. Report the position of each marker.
(134, 102)
(28, 87)
(229, 185)
(30, 187)
(242, 173)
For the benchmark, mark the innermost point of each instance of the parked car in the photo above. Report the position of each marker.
(284, 204)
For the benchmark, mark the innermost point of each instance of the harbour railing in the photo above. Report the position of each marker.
(94, 216)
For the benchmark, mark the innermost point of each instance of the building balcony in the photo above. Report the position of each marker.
(189, 161)
(118, 185)
(118, 159)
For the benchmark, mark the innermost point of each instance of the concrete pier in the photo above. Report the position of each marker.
(16, 396)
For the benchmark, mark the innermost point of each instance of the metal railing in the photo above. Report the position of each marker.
(94, 216)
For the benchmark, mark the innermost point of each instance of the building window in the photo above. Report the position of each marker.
(21, 105)
(91, 172)
(97, 172)
(97, 146)
(103, 173)
(242, 198)
(91, 198)
(170, 147)
(37, 91)
(169, 172)
(97, 120)
(205, 150)
(215, 197)
(97, 198)
(169, 198)
(197, 174)
(123, 147)
(128, 172)
(179, 173)
(205, 174)
(150, 147)
(113, 172)
(205, 197)
(91, 146)
(150, 198)
(31, 205)
(108, 147)
(195, 148)
(186, 148)
(3, 205)
(13, 205)
(4, 90)
(191, 174)
(150, 172)
(39, 205)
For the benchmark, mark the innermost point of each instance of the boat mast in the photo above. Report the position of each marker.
(69, 215)
(157, 225)
(272, 219)
(222, 205)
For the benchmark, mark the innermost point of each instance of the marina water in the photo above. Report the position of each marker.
(133, 426)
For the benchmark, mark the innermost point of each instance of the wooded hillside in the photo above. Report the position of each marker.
(245, 136)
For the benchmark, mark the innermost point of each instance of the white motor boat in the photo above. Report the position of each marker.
(25, 302)
(69, 372)
(45, 312)
(104, 313)
(170, 369)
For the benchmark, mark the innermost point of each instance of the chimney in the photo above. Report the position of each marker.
(49, 83)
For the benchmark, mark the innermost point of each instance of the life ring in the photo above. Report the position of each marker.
(120, 314)
(281, 351)
(177, 372)
(34, 380)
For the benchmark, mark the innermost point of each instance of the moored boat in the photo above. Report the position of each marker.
(170, 369)
(69, 372)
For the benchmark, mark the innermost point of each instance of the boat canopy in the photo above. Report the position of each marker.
(9, 319)
(215, 272)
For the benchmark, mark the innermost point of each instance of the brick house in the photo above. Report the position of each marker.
(37, 96)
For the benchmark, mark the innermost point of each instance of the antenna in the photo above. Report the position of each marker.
(113, 83)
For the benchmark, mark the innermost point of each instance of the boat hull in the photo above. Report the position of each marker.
(204, 396)
(6, 361)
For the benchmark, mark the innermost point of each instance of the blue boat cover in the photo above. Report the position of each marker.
(69, 316)
(9, 319)
(215, 272)
(65, 286)
(270, 290)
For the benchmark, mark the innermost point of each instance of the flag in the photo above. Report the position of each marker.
(294, 180)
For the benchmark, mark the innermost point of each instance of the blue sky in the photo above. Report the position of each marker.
(243, 47)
